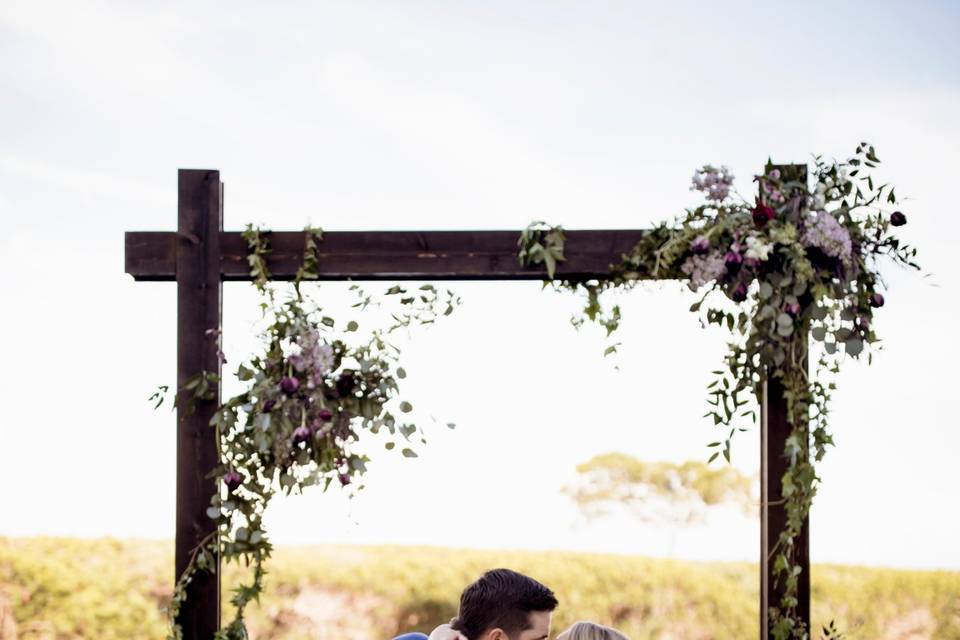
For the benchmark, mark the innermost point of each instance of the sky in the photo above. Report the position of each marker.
(455, 115)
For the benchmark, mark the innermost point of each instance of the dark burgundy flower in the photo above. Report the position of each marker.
(268, 405)
(876, 300)
(792, 308)
(289, 384)
(753, 263)
(863, 322)
(325, 415)
(233, 480)
(700, 245)
(301, 434)
(345, 383)
(762, 214)
(739, 294)
(733, 260)
(344, 479)
(897, 219)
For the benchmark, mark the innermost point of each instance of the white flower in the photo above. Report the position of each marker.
(821, 188)
(828, 182)
(757, 248)
(818, 202)
(833, 193)
(843, 175)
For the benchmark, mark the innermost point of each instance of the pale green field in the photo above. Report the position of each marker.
(112, 590)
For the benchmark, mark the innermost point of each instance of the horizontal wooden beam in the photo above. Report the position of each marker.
(387, 255)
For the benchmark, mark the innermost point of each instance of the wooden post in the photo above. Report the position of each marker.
(775, 428)
(200, 221)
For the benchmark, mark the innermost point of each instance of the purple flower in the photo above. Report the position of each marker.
(233, 480)
(344, 479)
(733, 260)
(792, 308)
(712, 181)
(289, 384)
(762, 214)
(346, 383)
(876, 300)
(268, 405)
(703, 269)
(739, 294)
(301, 434)
(897, 219)
(314, 357)
(700, 245)
(829, 236)
(325, 415)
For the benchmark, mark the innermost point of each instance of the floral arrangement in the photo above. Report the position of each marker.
(796, 262)
(310, 397)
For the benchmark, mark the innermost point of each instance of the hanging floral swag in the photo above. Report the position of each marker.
(310, 397)
(795, 263)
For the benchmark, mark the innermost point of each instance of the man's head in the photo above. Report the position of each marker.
(505, 605)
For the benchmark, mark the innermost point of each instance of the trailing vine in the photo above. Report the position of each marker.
(317, 389)
(797, 262)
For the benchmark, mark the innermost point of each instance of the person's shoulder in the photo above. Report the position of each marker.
(446, 632)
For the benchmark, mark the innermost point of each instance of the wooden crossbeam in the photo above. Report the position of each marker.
(387, 255)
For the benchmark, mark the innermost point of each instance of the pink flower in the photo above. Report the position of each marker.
(700, 245)
(829, 236)
(233, 480)
(301, 434)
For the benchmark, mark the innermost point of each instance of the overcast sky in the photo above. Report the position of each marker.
(457, 115)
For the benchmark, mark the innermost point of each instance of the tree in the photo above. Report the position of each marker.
(674, 494)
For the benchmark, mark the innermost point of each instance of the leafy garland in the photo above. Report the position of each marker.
(310, 397)
(795, 263)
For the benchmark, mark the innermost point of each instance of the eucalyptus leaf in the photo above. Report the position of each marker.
(853, 346)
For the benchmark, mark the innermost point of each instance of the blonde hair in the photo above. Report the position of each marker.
(591, 631)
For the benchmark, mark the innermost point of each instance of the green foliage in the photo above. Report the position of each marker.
(310, 396)
(115, 590)
(798, 262)
(541, 244)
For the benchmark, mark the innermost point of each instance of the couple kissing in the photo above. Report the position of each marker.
(506, 605)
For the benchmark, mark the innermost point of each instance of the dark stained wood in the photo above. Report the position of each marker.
(775, 428)
(196, 248)
(390, 255)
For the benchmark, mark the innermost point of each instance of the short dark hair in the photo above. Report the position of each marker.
(503, 599)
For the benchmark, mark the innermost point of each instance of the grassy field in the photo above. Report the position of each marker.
(112, 590)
